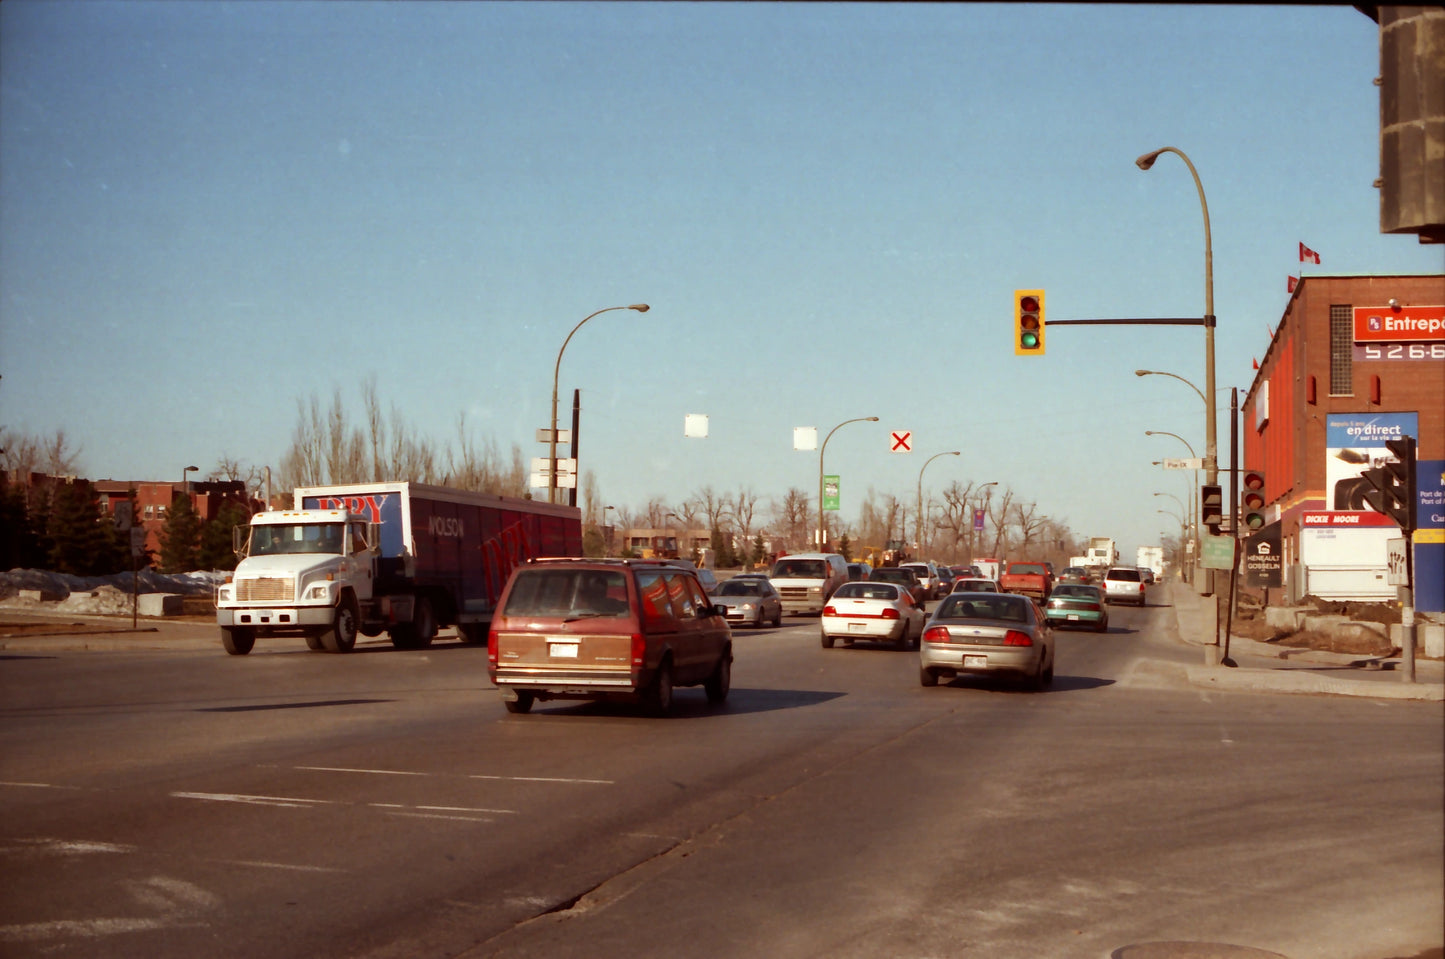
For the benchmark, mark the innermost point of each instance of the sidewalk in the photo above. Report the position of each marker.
(1263, 667)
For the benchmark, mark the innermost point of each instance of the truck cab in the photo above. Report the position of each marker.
(301, 572)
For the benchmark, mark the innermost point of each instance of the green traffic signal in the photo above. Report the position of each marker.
(1028, 322)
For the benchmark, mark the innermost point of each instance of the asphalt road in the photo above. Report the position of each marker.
(178, 802)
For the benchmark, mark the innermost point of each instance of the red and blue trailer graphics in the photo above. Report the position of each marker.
(455, 547)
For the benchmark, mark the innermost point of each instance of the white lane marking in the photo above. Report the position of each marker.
(547, 779)
(287, 801)
(274, 865)
(405, 772)
(424, 815)
(374, 772)
(507, 812)
(40, 786)
(292, 802)
(88, 928)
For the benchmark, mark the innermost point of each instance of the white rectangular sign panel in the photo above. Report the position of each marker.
(544, 435)
(564, 481)
(1196, 463)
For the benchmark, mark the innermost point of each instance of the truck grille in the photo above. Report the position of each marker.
(793, 592)
(266, 589)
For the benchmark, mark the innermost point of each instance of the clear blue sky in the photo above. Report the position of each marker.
(211, 211)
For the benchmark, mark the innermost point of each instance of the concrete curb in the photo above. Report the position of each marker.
(1297, 680)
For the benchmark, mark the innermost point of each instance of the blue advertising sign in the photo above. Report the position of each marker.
(1430, 537)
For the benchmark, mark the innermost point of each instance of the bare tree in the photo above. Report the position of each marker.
(792, 515)
(57, 457)
(1029, 523)
(998, 515)
(744, 505)
(712, 506)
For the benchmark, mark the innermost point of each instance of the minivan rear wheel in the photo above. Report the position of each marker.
(659, 694)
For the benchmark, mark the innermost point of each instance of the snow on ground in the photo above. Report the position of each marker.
(99, 594)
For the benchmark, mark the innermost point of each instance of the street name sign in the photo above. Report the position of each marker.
(1196, 463)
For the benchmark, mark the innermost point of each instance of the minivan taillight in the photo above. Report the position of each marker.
(492, 648)
(639, 650)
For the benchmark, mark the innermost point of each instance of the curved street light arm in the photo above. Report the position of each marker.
(556, 371)
(821, 450)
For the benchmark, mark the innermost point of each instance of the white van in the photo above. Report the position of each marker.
(805, 581)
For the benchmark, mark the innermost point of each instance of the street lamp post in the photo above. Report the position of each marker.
(918, 525)
(821, 450)
(607, 526)
(1211, 446)
(1194, 512)
(185, 484)
(556, 369)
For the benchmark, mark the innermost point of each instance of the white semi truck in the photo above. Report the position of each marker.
(400, 558)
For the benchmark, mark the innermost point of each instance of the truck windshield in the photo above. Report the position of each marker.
(800, 569)
(272, 540)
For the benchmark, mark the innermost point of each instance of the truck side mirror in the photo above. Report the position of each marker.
(238, 539)
(373, 538)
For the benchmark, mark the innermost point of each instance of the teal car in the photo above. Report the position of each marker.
(1073, 604)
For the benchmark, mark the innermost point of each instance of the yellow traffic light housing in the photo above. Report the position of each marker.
(1028, 322)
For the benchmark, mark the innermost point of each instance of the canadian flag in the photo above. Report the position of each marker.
(1306, 255)
(1256, 364)
(1293, 282)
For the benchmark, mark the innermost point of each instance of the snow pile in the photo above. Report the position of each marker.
(101, 594)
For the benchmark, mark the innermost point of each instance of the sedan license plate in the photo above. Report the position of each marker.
(857, 627)
(975, 662)
(563, 650)
(1073, 617)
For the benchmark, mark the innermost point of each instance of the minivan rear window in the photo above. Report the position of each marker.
(567, 593)
(1129, 575)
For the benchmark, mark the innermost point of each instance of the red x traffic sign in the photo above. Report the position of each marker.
(902, 441)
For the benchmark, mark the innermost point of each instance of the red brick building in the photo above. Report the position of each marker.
(153, 499)
(1356, 360)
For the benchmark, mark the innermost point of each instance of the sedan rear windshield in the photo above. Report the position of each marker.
(740, 588)
(867, 591)
(1084, 592)
(1012, 609)
(800, 569)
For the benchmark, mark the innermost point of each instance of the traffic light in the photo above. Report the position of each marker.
(1252, 500)
(1393, 483)
(1028, 322)
(1211, 508)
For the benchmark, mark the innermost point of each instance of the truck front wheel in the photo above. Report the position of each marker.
(238, 640)
(341, 637)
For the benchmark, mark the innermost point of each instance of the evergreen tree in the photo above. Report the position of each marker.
(79, 535)
(592, 542)
(216, 551)
(19, 540)
(180, 537)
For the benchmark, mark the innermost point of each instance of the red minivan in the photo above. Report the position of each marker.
(607, 629)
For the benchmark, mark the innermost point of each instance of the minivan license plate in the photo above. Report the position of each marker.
(563, 650)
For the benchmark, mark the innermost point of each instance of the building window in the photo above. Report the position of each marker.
(1342, 350)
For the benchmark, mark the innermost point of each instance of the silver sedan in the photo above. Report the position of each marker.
(987, 634)
(749, 601)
